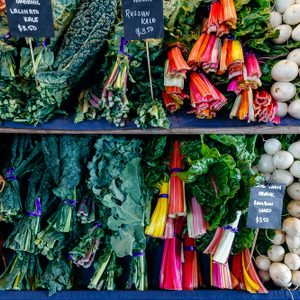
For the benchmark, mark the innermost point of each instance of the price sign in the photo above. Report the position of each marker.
(143, 19)
(265, 209)
(30, 18)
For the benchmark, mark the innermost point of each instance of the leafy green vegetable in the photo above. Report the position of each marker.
(39, 191)
(57, 276)
(23, 273)
(106, 272)
(24, 155)
(73, 155)
(86, 34)
(84, 253)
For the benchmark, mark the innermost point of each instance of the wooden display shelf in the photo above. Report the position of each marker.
(181, 124)
(147, 295)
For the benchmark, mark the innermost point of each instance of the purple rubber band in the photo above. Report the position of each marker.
(10, 174)
(38, 209)
(234, 230)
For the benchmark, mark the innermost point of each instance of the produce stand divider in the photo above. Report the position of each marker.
(180, 124)
(147, 295)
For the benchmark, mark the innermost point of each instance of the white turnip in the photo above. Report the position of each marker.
(271, 146)
(282, 5)
(275, 19)
(279, 238)
(285, 71)
(296, 33)
(294, 191)
(285, 32)
(283, 176)
(292, 15)
(282, 160)
(295, 169)
(282, 109)
(294, 208)
(264, 276)
(265, 164)
(292, 260)
(280, 274)
(276, 253)
(262, 262)
(294, 149)
(294, 56)
(283, 91)
(294, 109)
(296, 278)
(293, 242)
(291, 226)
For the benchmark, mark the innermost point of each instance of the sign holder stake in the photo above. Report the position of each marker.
(149, 69)
(253, 247)
(32, 55)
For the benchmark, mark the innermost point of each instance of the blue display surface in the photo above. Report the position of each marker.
(181, 123)
(148, 295)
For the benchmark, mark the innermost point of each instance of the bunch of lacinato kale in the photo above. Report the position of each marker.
(34, 92)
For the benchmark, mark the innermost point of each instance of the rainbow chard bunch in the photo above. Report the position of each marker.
(222, 17)
(206, 100)
(171, 265)
(174, 78)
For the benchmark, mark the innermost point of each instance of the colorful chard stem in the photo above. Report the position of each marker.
(114, 99)
(220, 276)
(205, 53)
(86, 210)
(171, 266)
(84, 253)
(177, 206)
(265, 108)
(206, 100)
(191, 277)
(221, 244)
(158, 220)
(222, 17)
(196, 224)
(174, 77)
(245, 273)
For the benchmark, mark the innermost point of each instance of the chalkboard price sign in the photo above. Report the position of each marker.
(30, 18)
(143, 19)
(265, 209)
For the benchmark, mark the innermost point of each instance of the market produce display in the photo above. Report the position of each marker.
(106, 204)
(216, 55)
(280, 263)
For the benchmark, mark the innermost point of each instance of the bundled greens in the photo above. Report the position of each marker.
(24, 155)
(34, 91)
(25, 232)
(117, 181)
(23, 273)
(73, 153)
(57, 276)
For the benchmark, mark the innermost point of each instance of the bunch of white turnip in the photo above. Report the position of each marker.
(282, 262)
(286, 19)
